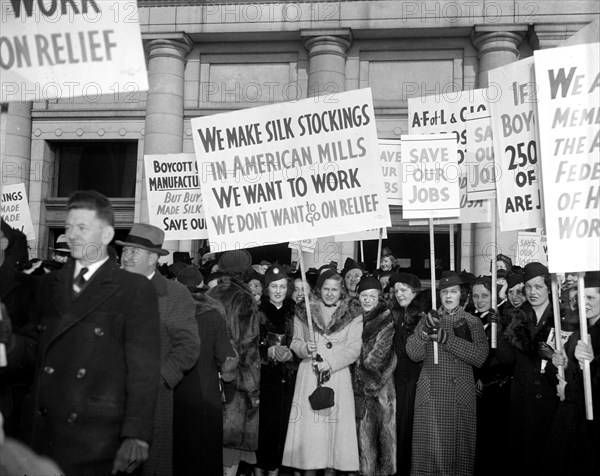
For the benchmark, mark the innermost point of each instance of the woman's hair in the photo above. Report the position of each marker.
(486, 282)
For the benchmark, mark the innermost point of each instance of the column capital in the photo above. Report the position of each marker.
(173, 45)
(505, 38)
(327, 41)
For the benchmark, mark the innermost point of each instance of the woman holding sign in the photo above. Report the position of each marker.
(325, 438)
(444, 434)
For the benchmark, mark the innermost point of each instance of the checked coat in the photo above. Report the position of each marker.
(444, 433)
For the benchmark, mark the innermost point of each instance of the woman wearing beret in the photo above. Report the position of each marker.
(444, 434)
(373, 381)
(406, 305)
(325, 439)
(277, 371)
(533, 398)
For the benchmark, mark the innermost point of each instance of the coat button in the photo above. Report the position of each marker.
(72, 417)
(538, 396)
(98, 331)
(41, 327)
(49, 370)
(329, 345)
(42, 411)
(81, 373)
(537, 382)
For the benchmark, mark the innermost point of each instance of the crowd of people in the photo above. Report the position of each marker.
(119, 364)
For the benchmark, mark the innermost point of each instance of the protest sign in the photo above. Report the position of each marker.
(514, 126)
(291, 171)
(569, 109)
(531, 247)
(390, 162)
(479, 157)
(447, 113)
(15, 209)
(307, 246)
(361, 235)
(57, 49)
(174, 197)
(430, 176)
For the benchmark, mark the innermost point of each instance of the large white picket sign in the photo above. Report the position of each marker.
(479, 157)
(447, 113)
(391, 158)
(57, 49)
(15, 209)
(569, 107)
(514, 125)
(291, 171)
(430, 184)
(174, 197)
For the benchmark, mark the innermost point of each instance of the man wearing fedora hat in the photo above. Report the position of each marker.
(179, 343)
(93, 345)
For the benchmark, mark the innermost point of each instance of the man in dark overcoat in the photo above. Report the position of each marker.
(179, 338)
(93, 342)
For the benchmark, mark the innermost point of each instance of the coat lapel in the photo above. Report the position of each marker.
(100, 288)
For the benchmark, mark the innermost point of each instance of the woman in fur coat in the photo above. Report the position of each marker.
(325, 439)
(407, 303)
(240, 412)
(198, 408)
(444, 435)
(373, 381)
(278, 370)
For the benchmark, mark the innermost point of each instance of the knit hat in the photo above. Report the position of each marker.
(235, 261)
(350, 264)
(405, 278)
(190, 277)
(533, 270)
(449, 279)
(328, 266)
(146, 237)
(274, 273)
(325, 275)
(368, 282)
(514, 279)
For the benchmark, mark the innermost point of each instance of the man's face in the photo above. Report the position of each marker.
(87, 235)
(592, 302)
(138, 261)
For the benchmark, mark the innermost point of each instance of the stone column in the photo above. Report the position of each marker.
(166, 54)
(497, 46)
(327, 49)
(16, 162)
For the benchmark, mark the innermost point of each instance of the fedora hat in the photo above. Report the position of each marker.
(146, 237)
(61, 244)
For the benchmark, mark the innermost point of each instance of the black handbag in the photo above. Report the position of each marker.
(322, 397)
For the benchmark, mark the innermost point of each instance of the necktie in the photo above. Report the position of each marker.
(79, 281)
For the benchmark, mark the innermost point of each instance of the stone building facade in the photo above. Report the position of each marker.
(205, 58)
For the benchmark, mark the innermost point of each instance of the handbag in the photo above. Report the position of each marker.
(322, 397)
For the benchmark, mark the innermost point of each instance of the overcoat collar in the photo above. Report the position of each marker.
(160, 283)
(375, 320)
(100, 288)
(343, 315)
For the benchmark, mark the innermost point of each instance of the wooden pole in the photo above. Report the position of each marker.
(557, 324)
(452, 252)
(494, 328)
(362, 253)
(432, 268)
(306, 293)
(587, 377)
(379, 247)
(3, 361)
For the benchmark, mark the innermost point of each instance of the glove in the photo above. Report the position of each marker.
(479, 388)
(281, 353)
(432, 322)
(311, 348)
(492, 317)
(545, 352)
(442, 336)
(131, 454)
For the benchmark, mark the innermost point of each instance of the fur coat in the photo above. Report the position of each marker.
(375, 395)
(326, 438)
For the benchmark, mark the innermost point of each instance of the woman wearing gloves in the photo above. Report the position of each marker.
(277, 371)
(325, 439)
(444, 434)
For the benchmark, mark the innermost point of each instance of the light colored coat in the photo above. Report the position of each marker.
(325, 438)
(444, 431)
